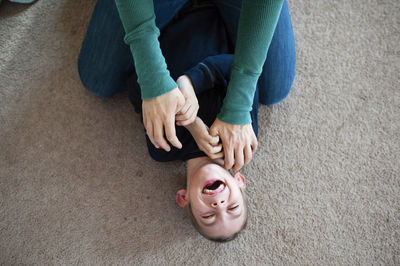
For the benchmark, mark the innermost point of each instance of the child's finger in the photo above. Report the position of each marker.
(186, 115)
(186, 122)
(189, 117)
(214, 140)
(214, 149)
(182, 113)
(216, 155)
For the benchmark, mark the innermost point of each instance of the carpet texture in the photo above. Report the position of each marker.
(78, 187)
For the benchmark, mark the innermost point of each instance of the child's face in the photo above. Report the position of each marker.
(216, 200)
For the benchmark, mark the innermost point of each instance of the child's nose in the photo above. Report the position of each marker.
(218, 203)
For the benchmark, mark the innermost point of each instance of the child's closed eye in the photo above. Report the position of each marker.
(233, 208)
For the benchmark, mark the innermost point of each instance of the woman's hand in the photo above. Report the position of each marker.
(188, 113)
(239, 142)
(159, 113)
(206, 143)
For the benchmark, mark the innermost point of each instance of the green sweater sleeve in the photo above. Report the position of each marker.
(257, 24)
(138, 20)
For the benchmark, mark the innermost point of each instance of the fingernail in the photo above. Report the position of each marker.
(158, 147)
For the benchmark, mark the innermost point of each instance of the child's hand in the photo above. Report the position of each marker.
(188, 113)
(206, 143)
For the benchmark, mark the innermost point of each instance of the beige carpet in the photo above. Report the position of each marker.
(78, 187)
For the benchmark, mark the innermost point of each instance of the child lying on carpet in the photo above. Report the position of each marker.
(213, 196)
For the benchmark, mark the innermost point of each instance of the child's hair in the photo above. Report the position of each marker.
(219, 239)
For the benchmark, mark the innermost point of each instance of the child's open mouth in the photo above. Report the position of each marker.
(213, 187)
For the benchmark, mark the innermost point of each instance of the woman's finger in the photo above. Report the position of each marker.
(155, 143)
(159, 136)
(239, 158)
(171, 132)
(229, 156)
(248, 154)
(254, 144)
(149, 132)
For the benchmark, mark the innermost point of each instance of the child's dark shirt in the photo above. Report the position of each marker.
(195, 43)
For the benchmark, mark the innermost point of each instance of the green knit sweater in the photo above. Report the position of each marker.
(257, 23)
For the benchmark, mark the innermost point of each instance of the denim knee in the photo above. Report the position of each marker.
(104, 60)
(101, 84)
(277, 89)
(90, 85)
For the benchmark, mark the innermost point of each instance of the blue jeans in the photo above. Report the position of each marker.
(105, 61)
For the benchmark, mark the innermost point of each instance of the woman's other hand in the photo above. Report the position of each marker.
(188, 113)
(159, 114)
(239, 142)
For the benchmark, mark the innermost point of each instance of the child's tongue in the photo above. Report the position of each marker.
(214, 188)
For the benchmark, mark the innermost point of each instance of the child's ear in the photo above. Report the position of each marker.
(240, 179)
(181, 198)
